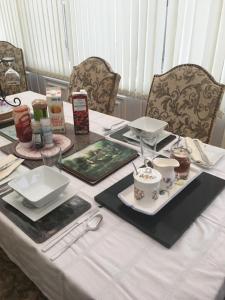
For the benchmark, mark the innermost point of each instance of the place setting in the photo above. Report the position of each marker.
(164, 196)
(130, 133)
(41, 201)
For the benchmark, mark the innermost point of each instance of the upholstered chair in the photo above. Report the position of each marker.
(96, 76)
(8, 50)
(188, 98)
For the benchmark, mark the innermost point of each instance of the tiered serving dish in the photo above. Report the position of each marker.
(152, 207)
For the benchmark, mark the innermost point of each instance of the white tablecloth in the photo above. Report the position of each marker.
(118, 261)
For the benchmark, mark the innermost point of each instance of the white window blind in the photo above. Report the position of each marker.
(56, 34)
(195, 33)
(129, 34)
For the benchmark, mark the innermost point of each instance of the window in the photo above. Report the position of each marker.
(139, 38)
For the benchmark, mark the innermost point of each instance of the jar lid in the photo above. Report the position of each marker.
(45, 122)
(21, 108)
(40, 103)
(35, 124)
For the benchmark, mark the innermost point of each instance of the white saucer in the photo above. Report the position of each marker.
(34, 213)
(130, 135)
(153, 206)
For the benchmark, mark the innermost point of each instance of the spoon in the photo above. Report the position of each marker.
(135, 168)
(92, 225)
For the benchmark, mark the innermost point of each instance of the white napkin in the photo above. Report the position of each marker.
(6, 160)
(198, 153)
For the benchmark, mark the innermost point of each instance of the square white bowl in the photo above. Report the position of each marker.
(147, 126)
(40, 186)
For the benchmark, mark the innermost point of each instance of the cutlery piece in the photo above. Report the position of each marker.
(5, 189)
(89, 214)
(202, 153)
(92, 225)
(9, 164)
(114, 130)
(108, 128)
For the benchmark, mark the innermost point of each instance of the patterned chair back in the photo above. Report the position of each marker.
(8, 50)
(101, 83)
(188, 98)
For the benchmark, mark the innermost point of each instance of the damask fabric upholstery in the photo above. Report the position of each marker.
(14, 285)
(188, 98)
(8, 50)
(101, 83)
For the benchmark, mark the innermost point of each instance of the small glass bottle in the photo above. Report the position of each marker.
(36, 135)
(47, 133)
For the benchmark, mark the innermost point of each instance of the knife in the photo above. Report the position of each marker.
(58, 238)
(202, 153)
(9, 164)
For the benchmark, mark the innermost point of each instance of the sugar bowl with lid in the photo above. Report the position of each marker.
(146, 184)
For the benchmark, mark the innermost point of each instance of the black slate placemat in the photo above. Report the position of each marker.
(118, 135)
(168, 225)
(50, 224)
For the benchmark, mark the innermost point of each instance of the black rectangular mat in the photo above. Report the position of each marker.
(50, 224)
(118, 135)
(168, 225)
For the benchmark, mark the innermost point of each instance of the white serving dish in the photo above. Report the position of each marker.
(34, 213)
(40, 186)
(151, 208)
(147, 126)
(162, 135)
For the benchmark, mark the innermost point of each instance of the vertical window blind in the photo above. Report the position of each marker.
(139, 38)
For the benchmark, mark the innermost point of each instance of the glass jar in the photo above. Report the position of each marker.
(39, 109)
(22, 120)
(182, 155)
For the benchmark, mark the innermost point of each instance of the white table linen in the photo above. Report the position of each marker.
(118, 261)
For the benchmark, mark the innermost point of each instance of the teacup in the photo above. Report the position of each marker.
(146, 184)
(166, 166)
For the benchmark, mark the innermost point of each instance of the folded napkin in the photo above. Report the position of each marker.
(6, 161)
(197, 151)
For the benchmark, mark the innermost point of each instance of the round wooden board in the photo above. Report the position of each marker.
(35, 154)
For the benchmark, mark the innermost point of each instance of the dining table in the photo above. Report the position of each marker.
(119, 261)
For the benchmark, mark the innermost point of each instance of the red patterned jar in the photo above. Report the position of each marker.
(22, 120)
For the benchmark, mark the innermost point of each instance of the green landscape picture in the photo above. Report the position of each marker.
(98, 160)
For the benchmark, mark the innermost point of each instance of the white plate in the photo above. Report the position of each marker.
(151, 208)
(147, 126)
(130, 135)
(40, 185)
(34, 214)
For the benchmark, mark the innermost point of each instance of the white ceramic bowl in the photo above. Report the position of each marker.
(40, 185)
(147, 126)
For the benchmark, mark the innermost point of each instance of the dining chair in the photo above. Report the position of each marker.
(188, 98)
(9, 50)
(14, 284)
(96, 76)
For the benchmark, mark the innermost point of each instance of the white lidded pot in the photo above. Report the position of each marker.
(146, 184)
(166, 166)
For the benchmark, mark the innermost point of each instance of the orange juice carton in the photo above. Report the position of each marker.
(55, 109)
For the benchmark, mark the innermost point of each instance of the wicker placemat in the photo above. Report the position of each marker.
(79, 142)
